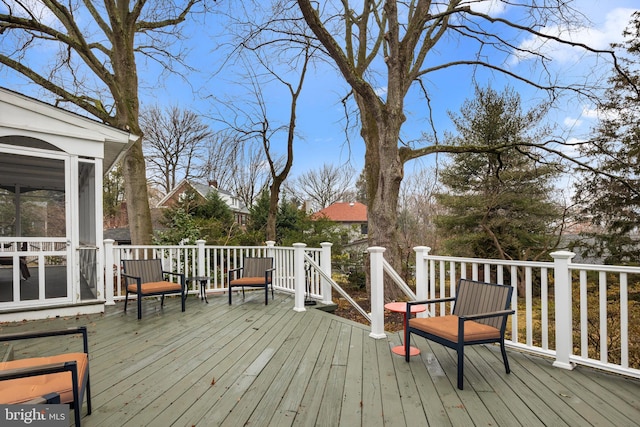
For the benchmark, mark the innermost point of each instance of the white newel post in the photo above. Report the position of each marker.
(377, 292)
(422, 275)
(108, 271)
(325, 265)
(201, 258)
(271, 253)
(299, 276)
(564, 322)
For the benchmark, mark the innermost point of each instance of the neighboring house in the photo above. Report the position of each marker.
(350, 215)
(239, 210)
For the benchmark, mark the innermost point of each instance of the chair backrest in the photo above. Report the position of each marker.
(149, 270)
(256, 266)
(474, 297)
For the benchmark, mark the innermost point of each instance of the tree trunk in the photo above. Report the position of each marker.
(384, 172)
(274, 196)
(133, 164)
(138, 211)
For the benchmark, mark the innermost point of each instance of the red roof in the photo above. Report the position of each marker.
(344, 212)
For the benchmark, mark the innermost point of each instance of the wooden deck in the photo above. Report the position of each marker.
(248, 364)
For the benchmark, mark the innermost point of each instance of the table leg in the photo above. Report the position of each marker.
(399, 349)
(203, 293)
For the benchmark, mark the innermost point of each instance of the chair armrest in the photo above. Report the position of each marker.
(129, 276)
(426, 302)
(180, 275)
(430, 301)
(231, 275)
(56, 332)
(487, 315)
(33, 371)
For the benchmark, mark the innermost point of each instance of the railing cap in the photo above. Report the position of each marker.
(562, 254)
(376, 249)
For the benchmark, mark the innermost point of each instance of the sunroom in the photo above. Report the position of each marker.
(52, 164)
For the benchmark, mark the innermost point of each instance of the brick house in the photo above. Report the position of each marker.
(238, 209)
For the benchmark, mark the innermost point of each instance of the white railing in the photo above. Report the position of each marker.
(201, 260)
(35, 255)
(555, 303)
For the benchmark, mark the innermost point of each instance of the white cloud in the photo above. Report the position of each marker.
(572, 122)
(599, 37)
(490, 7)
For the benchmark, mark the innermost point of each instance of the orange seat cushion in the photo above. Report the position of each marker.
(248, 281)
(24, 389)
(155, 287)
(447, 328)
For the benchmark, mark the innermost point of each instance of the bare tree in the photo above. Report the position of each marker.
(325, 185)
(173, 145)
(252, 175)
(93, 65)
(223, 155)
(278, 54)
(394, 45)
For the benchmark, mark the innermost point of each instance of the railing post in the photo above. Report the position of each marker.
(270, 252)
(564, 322)
(299, 276)
(377, 292)
(422, 275)
(108, 271)
(325, 265)
(270, 245)
(201, 258)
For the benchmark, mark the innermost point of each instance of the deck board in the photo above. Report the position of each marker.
(256, 365)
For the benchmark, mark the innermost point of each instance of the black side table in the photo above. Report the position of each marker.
(203, 284)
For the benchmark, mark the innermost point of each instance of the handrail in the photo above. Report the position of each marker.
(337, 287)
(393, 274)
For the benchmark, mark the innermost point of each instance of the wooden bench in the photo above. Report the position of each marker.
(145, 277)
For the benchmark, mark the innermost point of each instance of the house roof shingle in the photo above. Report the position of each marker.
(344, 212)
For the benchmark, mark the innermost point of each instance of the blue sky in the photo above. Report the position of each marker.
(320, 114)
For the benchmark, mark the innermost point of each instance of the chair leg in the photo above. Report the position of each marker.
(88, 391)
(504, 357)
(162, 301)
(243, 293)
(266, 295)
(126, 300)
(407, 344)
(460, 367)
(139, 306)
(229, 294)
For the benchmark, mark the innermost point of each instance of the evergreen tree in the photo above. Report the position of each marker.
(194, 218)
(608, 191)
(498, 202)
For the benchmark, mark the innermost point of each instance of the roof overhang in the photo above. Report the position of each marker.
(31, 120)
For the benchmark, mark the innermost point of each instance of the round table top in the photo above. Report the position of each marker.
(201, 278)
(401, 307)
